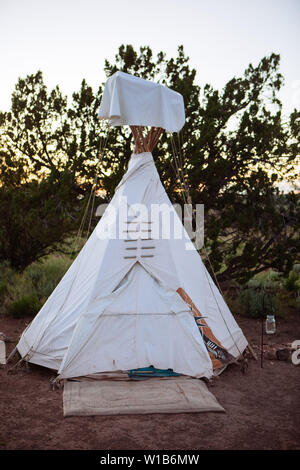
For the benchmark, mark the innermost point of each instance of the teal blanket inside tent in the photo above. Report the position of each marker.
(151, 371)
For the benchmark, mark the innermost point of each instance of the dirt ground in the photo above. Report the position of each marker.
(262, 409)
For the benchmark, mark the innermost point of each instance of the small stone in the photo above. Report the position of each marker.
(283, 354)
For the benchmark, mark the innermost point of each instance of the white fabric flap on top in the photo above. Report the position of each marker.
(133, 101)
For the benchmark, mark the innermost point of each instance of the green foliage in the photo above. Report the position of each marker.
(296, 268)
(270, 280)
(292, 282)
(45, 275)
(3, 289)
(42, 135)
(255, 303)
(7, 278)
(269, 292)
(26, 292)
(25, 306)
(35, 218)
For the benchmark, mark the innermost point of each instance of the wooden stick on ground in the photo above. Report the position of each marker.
(252, 352)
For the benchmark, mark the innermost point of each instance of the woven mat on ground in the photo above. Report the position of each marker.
(179, 395)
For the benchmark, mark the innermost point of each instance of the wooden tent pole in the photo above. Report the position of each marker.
(145, 143)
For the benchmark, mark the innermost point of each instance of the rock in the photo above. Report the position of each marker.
(283, 354)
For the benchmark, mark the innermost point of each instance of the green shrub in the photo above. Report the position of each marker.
(296, 268)
(24, 293)
(7, 273)
(28, 305)
(266, 280)
(291, 283)
(256, 303)
(280, 294)
(45, 275)
(3, 289)
(254, 283)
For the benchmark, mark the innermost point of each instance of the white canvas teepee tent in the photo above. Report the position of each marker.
(132, 298)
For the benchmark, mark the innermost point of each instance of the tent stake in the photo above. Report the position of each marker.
(11, 355)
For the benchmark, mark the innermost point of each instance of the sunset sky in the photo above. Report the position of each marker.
(69, 39)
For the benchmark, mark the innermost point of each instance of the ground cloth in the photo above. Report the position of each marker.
(155, 395)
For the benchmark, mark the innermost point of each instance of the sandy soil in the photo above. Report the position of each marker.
(262, 409)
